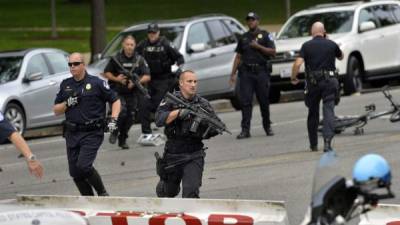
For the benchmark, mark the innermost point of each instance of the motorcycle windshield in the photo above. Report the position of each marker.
(329, 180)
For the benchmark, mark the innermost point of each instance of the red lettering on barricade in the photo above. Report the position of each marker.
(160, 219)
(81, 213)
(120, 218)
(394, 223)
(218, 219)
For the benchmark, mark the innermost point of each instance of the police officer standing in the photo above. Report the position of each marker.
(127, 93)
(253, 52)
(83, 99)
(319, 55)
(8, 131)
(160, 55)
(183, 153)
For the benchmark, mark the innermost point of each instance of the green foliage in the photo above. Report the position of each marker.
(121, 13)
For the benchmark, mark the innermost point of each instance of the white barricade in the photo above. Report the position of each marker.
(383, 214)
(160, 211)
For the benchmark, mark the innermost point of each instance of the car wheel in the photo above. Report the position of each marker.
(353, 80)
(274, 95)
(16, 116)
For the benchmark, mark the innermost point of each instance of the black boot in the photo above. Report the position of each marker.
(122, 143)
(97, 183)
(84, 187)
(327, 145)
(244, 134)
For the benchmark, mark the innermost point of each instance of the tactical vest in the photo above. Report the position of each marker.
(157, 58)
(131, 65)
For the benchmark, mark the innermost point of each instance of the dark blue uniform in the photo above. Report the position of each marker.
(183, 145)
(254, 75)
(160, 56)
(6, 129)
(319, 55)
(130, 98)
(84, 128)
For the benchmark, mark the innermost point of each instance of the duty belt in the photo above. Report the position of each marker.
(316, 76)
(88, 126)
(254, 67)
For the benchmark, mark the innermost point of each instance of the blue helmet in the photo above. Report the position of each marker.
(372, 167)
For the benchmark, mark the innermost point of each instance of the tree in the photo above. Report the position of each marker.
(98, 27)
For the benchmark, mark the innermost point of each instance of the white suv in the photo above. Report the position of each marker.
(367, 32)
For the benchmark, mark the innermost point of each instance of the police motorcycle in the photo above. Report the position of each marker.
(337, 200)
(359, 121)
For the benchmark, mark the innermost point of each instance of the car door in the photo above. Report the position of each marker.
(200, 60)
(389, 43)
(58, 63)
(37, 96)
(224, 44)
(396, 12)
(371, 41)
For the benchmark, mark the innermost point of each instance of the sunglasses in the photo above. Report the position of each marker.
(70, 64)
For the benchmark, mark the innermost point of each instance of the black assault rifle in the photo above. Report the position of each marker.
(133, 77)
(200, 115)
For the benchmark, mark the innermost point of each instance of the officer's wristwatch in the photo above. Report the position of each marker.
(32, 158)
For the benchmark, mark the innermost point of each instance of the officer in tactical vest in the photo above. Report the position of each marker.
(183, 159)
(319, 55)
(82, 98)
(123, 85)
(253, 52)
(160, 55)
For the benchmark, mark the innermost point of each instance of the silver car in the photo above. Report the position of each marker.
(207, 43)
(29, 81)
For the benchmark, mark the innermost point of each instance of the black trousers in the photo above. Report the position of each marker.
(327, 91)
(257, 82)
(157, 90)
(129, 108)
(82, 150)
(190, 174)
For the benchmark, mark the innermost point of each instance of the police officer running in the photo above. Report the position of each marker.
(160, 55)
(184, 153)
(127, 93)
(253, 52)
(321, 83)
(8, 131)
(83, 98)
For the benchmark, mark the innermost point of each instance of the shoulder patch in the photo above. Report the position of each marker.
(271, 36)
(1, 116)
(105, 84)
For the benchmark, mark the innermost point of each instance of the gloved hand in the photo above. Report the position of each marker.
(183, 113)
(112, 125)
(72, 101)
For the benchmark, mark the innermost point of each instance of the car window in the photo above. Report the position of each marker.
(172, 33)
(9, 68)
(198, 34)
(220, 33)
(384, 15)
(367, 15)
(335, 22)
(395, 10)
(234, 28)
(58, 62)
(37, 64)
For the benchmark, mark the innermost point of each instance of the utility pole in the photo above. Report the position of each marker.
(54, 34)
(98, 31)
(287, 3)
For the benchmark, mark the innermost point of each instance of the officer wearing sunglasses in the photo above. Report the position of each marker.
(82, 98)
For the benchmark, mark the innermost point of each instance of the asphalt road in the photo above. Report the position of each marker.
(270, 168)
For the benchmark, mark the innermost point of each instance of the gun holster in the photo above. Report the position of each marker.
(160, 168)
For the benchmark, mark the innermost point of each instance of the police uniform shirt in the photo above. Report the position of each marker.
(319, 54)
(6, 129)
(159, 55)
(92, 93)
(135, 60)
(251, 55)
(165, 109)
